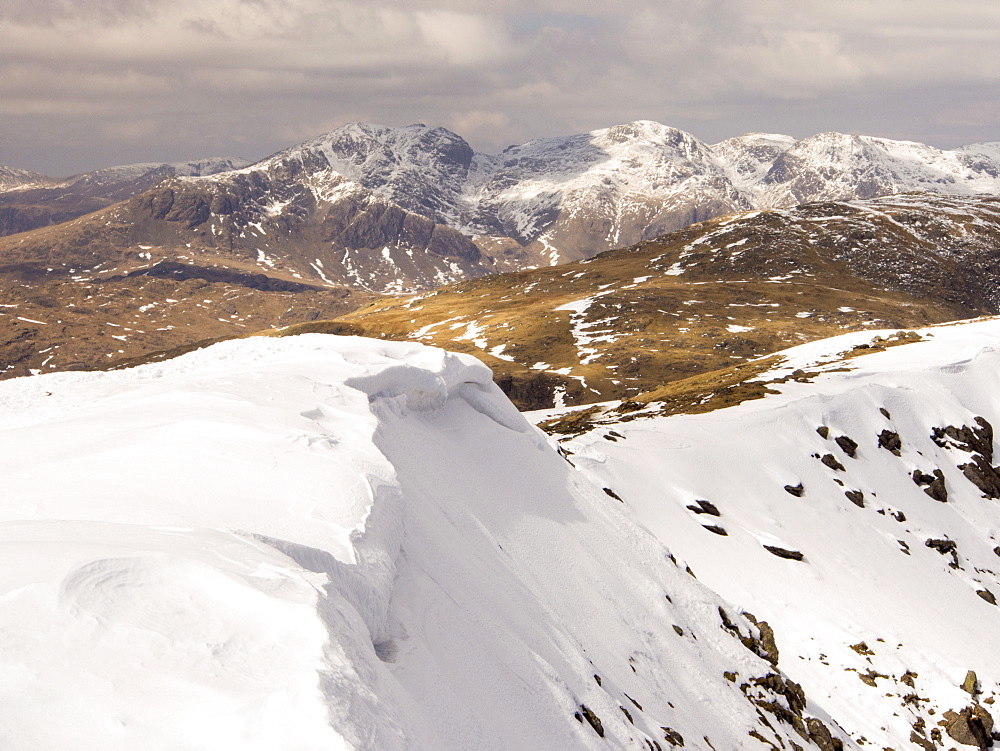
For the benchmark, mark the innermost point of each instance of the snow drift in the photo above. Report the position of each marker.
(331, 542)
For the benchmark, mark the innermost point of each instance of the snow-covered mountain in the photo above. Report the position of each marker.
(126, 180)
(326, 542)
(852, 503)
(12, 178)
(567, 198)
(836, 167)
(364, 188)
(29, 200)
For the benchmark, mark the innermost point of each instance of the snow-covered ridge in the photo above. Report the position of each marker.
(328, 542)
(111, 177)
(12, 178)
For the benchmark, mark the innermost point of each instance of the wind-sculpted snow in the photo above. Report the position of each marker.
(856, 511)
(330, 542)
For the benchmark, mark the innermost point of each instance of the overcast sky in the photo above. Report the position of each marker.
(91, 83)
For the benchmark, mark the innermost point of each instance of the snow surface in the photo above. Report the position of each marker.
(867, 575)
(329, 542)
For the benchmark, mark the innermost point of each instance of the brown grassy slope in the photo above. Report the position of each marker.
(709, 297)
(79, 296)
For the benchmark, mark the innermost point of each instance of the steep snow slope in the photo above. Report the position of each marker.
(326, 542)
(877, 472)
(748, 158)
(836, 167)
(604, 189)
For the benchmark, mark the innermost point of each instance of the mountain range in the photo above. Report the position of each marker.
(316, 231)
(346, 208)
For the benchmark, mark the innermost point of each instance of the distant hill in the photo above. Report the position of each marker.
(712, 295)
(29, 200)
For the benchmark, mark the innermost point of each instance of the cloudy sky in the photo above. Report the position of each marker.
(90, 83)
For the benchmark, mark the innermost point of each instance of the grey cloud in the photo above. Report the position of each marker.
(87, 83)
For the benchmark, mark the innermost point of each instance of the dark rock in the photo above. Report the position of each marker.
(869, 677)
(824, 432)
(535, 390)
(945, 547)
(762, 644)
(797, 490)
(716, 530)
(597, 678)
(705, 507)
(971, 727)
(727, 622)
(613, 494)
(792, 555)
(942, 546)
(628, 716)
(820, 734)
(766, 647)
(975, 440)
(678, 630)
(593, 719)
(890, 441)
(971, 683)
(983, 475)
(831, 461)
(987, 595)
(790, 690)
(856, 497)
(885, 413)
(935, 487)
(847, 445)
(673, 737)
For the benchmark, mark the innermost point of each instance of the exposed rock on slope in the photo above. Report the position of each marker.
(887, 611)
